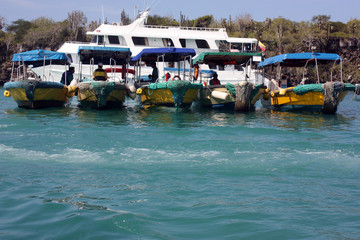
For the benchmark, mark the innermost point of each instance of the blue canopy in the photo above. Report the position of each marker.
(103, 54)
(37, 57)
(105, 49)
(170, 54)
(300, 59)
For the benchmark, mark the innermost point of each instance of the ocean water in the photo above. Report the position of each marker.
(135, 173)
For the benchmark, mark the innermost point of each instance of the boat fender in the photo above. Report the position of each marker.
(176, 77)
(220, 95)
(7, 93)
(282, 92)
(139, 91)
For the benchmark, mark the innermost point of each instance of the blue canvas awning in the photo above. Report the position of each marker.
(170, 54)
(300, 59)
(105, 49)
(37, 57)
(103, 54)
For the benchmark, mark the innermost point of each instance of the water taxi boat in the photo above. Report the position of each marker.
(37, 91)
(240, 96)
(106, 93)
(177, 91)
(311, 94)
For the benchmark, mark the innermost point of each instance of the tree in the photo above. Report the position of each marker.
(19, 28)
(77, 24)
(244, 24)
(354, 27)
(280, 28)
(203, 21)
(161, 21)
(2, 23)
(321, 21)
(94, 25)
(9, 38)
(125, 20)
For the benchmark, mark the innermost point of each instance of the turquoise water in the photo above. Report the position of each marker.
(160, 174)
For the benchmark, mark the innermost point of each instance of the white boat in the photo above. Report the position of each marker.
(138, 36)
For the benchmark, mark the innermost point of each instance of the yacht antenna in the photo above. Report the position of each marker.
(135, 15)
(102, 10)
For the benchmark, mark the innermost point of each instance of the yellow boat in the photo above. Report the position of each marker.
(110, 93)
(318, 97)
(34, 92)
(177, 92)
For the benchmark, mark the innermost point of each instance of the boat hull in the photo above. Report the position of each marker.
(288, 99)
(170, 94)
(225, 96)
(223, 99)
(35, 94)
(101, 95)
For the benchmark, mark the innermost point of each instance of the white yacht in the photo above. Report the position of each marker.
(138, 36)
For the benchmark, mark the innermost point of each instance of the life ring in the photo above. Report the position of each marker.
(7, 93)
(176, 77)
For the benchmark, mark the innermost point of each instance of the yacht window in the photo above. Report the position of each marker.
(201, 43)
(168, 42)
(237, 46)
(114, 40)
(239, 67)
(93, 40)
(69, 57)
(247, 47)
(100, 40)
(183, 42)
(140, 41)
(212, 66)
(223, 45)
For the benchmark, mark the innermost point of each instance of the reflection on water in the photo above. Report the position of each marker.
(133, 114)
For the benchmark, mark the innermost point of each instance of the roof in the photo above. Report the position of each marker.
(104, 49)
(224, 58)
(170, 54)
(103, 54)
(300, 59)
(241, 40)
(37, 57)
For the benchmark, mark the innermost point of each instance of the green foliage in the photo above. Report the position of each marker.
(337, 27)
(161, 21)
(321, 21)
(340, 34)
(353, 27)
(203, 21)
(125, 19)
(19, 28)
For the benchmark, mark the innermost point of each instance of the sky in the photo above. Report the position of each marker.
(259, 10)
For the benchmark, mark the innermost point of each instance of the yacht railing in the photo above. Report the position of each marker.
(187, 28)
